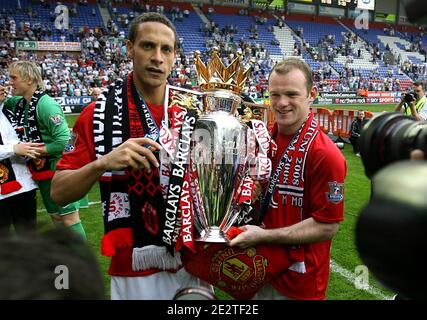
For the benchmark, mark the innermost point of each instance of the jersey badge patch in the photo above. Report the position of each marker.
(71, 144)
(56, 119)
(336, 192)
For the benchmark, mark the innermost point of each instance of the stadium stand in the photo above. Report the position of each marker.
(343, 58)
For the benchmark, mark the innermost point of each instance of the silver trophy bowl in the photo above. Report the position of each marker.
(219, 161)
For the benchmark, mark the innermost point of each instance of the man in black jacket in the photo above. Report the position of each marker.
(355, 128)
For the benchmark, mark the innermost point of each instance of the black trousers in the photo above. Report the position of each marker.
(20, 211)
(355, 143)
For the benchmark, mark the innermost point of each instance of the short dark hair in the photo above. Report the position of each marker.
(150, 17)
(288, 64)
(30, 261)
(419, 83)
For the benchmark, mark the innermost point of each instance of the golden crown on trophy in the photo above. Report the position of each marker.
(216, 75)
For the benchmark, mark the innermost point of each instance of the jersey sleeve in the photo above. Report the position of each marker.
(12, 102)
(51, 116)
(80, 149)
(326, 184)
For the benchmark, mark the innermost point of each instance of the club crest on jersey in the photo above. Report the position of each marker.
(336, 192)
(56, 119)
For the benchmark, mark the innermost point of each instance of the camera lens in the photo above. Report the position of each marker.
(389, 137)
(390, 232)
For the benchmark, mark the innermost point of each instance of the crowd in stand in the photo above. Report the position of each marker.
(103, 56)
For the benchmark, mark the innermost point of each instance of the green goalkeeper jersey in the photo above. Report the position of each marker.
(51, 123)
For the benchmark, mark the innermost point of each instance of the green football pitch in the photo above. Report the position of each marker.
(349, 279)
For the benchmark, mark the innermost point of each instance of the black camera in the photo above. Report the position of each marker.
(391, 232)
(409, 97)
(389, 137)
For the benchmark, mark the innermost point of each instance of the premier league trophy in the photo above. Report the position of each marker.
(216, 147)
(219, 160)
(220, 156)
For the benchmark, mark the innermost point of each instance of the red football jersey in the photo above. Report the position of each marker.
(325, 170)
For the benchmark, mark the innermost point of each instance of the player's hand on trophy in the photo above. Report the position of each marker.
(135, 153)
(251, 236)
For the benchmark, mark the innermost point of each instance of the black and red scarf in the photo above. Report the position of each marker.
(133, 204)
(8, 181)
(39, 168)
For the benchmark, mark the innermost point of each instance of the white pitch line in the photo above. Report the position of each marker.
(90, 203)
(351, 277)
